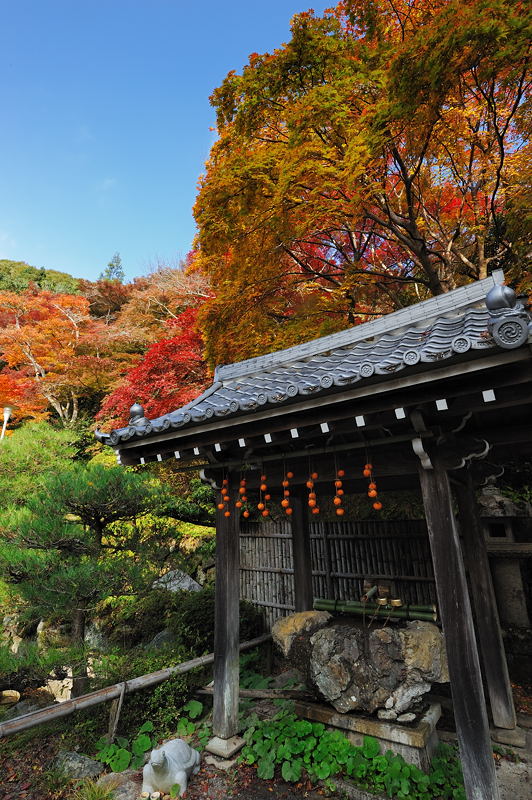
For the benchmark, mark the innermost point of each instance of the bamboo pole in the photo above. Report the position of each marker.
(67, 707)
(351, 607)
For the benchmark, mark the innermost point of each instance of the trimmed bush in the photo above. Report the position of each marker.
(192, 621)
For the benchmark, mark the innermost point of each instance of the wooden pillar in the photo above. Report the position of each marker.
(486, 614)
(226, 620)
(303, 593)
(460, 642)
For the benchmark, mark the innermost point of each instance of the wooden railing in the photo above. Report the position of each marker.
(113, 692)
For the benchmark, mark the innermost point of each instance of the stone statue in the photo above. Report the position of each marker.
(170, 764)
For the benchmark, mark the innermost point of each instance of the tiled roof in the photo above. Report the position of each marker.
(429, 332)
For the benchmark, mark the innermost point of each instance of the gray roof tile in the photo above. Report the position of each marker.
(429, 332)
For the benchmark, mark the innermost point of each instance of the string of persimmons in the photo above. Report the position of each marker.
(265, 497)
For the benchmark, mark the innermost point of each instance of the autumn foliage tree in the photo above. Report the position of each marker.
(377, 158)
(171, 373)
(160, 297)
(55, 355)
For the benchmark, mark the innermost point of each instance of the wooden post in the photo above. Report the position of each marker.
(226, 620)
(487, 617)
(303, 593)
(455, 609)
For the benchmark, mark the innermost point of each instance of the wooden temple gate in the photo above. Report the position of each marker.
(437, 396)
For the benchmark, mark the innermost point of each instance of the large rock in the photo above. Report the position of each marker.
(130, 790)
(95, 638)
(9, 633)
(60, 689)
(49, 635)
(75, 766)
(357, 668)
(423, 649)
(287, 630)
(175, 581)
(9, 697)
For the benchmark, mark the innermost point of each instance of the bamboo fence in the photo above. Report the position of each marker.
(343, 554)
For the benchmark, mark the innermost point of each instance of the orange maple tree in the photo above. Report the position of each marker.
(54, 354)
(377, 158)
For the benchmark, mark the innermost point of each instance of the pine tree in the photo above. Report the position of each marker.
(63, 551)
(114, 270)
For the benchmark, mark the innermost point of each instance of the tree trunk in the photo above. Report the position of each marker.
(80, 681)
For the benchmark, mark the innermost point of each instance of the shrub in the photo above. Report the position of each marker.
(192, 621)
(133, 619)
(159, 703)
(297, 746)
(30, 667)
(90, 790)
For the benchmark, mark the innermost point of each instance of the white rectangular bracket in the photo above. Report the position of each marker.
(441, 405)
(400, 413)
(324, 427)
(360, 421)
(294, 433)
(267, 438)
(488, 396)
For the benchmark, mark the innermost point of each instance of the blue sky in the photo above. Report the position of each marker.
(106, 122)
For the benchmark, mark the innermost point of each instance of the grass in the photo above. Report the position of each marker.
(89, 790)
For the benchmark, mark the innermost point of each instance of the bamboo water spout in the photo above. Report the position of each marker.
(357, 607)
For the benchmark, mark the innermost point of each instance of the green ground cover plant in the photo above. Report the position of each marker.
(125, 753)
(122, 754)
(296, 746)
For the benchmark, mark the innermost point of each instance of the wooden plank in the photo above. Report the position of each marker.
(455, 611)
(485, 605)
(303, 594)
(510, 549)
(327, 562)
(264, 694)
(226, 627)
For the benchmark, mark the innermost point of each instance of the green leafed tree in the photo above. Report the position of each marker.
(29, 456)
(63, 551)
(114, 270)
(16, 276)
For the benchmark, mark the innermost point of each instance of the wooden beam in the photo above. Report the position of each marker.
(485, 605)
(455, 610)
(301, 552)
(264, 694)
(226, 625)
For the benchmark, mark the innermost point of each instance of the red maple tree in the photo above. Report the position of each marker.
(171, 374)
